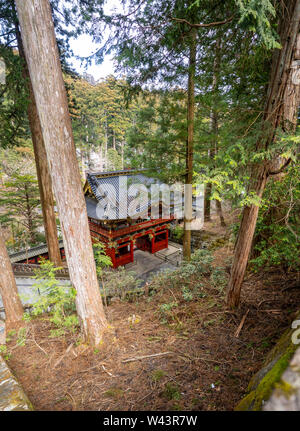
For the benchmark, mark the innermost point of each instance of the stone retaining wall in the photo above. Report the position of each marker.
(12, 396)
(276, 387)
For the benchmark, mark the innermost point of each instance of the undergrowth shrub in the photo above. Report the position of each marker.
(276, 241)
(5, 352)
(102, 261)
(188, 275)
(118, 283)
(219, 278)
(202, 260)
(53, 298)
(162, 279)
(187, 294)
(177, 232)
(122, 284)
(171, 392)
(166, 311)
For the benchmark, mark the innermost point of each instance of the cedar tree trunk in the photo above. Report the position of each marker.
(42, 57)
(8, 288)
(281, 110)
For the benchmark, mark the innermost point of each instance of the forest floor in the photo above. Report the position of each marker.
(205, 358)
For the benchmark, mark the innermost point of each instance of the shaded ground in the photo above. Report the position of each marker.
(208, 367)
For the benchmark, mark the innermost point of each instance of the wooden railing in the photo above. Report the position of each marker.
(126, 230)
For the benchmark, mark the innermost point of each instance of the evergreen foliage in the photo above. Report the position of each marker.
(57, 300)
(140, 120)
(19, 198)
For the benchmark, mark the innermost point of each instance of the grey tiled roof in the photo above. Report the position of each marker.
(32, 252)
(110, 203)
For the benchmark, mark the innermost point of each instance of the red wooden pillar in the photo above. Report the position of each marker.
(111, 252)
(113, 257)
(132, 250)
(152, 241)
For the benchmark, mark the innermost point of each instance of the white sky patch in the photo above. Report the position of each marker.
(84, 46)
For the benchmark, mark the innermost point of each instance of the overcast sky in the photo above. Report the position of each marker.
(84, 46)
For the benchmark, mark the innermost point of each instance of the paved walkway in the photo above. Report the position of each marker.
(145, 264)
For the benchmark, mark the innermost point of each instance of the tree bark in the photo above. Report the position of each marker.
(29, 217)
(8, 288)
(281, 112)
(207, 201)
(292, 93)
(106, 144)
(42, 169)
(220, 212)
(114, 140)
(42, 57)
(214, 130)
(122, 153)
(190, 147)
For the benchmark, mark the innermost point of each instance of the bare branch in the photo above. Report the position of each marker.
(280, 169)
(210, 24)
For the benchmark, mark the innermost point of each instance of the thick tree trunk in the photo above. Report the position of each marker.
(42, 56)
(220, 212)
(280, 111)
(106, 145)
(42, 169)
(114, 140)
(45, 184)
(292, 93)
(190, 147)
(207, 202)
(29, 217)
(8, 289)
(214, 128)
(244, 242)
(122, 153)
